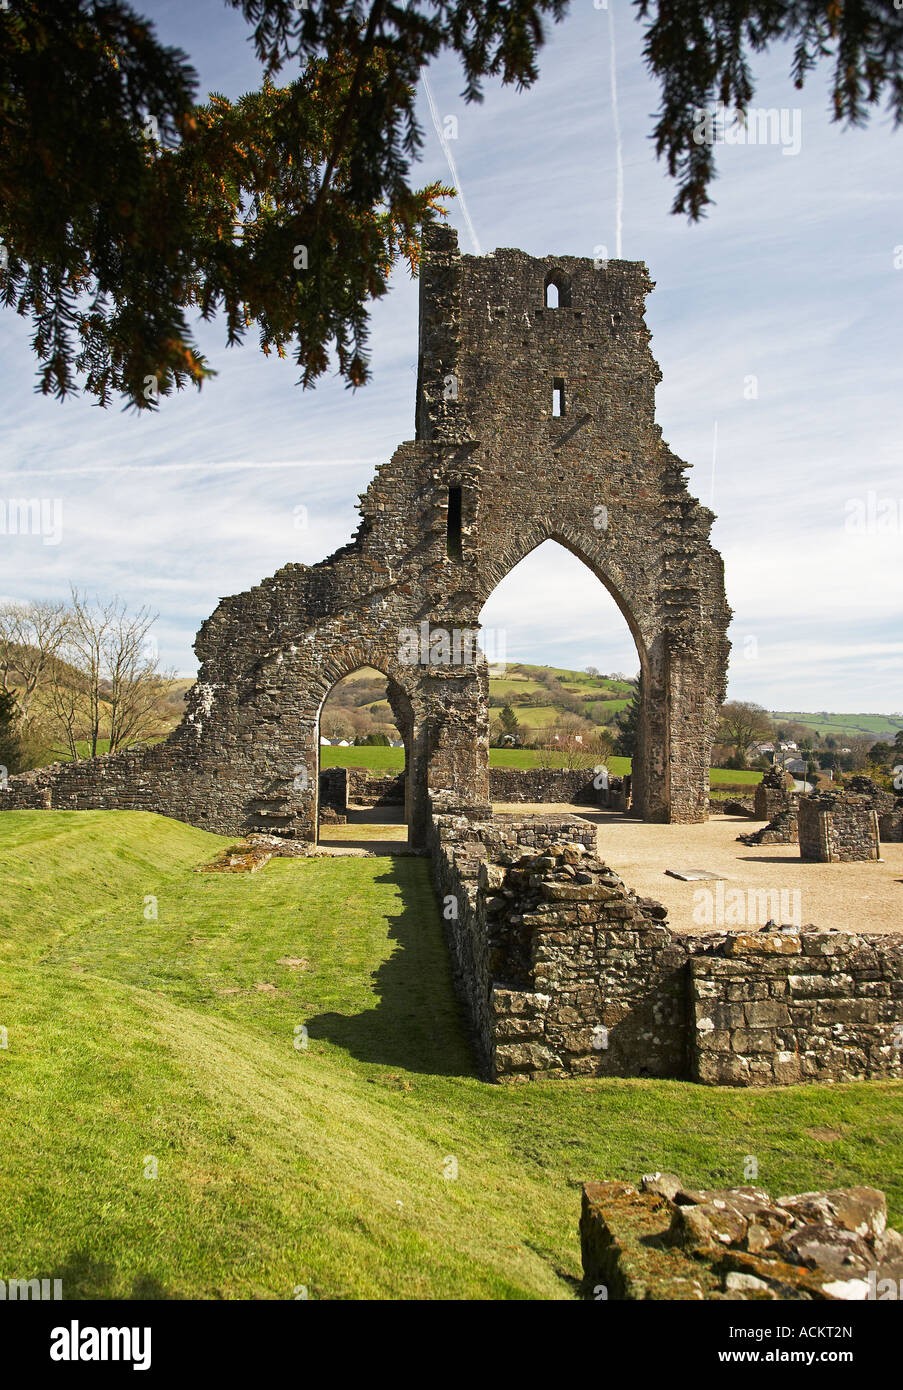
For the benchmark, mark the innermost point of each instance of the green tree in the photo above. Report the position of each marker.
(126, 206)
(509, 721)
(11, 753)
(700, 51)
(881, 754)
(742, 724)
(627, 725)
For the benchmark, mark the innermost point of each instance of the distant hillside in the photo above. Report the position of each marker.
(831, 725)
(539, 696)
(543, 695)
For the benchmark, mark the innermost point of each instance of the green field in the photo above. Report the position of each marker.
(137, 1046)
(392, 760)
(726, 776)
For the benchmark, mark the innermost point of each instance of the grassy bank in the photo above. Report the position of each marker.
(141, 1044)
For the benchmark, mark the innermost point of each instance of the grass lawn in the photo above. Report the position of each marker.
(138, 1044)
(726, 776)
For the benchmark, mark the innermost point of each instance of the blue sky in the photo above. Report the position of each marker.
(776, 323)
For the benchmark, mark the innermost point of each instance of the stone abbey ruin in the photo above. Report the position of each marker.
(535, 420)
(492, 473)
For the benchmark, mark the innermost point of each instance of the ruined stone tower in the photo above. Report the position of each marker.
(533, 422)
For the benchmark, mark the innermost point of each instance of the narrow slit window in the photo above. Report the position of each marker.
(558, 397)
(453, 544)
(557, 291)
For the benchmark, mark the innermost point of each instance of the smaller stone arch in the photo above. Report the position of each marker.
(402, 710)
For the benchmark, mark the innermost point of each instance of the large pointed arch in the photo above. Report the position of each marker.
(603, 565)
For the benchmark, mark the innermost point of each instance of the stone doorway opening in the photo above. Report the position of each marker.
(363, 763)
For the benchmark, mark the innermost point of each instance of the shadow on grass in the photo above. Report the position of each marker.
(83, 1277)
(417, 1024)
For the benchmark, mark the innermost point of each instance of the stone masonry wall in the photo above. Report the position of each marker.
(543, 784)
(340, 785)
(887, 805)
(136, 780)
(782, 829)
(772, 795)
(775, 1008)
(837, 827)
(334, 788)
(372, 789)
(465, 854)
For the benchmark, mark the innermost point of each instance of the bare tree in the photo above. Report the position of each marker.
(31, 638)
(570, 743)
(116, 673)
(335, 723)
(859, 749)
(84, 652)
(67, 705)
(133, 682)
(111, 685)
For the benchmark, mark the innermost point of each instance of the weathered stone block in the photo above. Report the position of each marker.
(767, 1012)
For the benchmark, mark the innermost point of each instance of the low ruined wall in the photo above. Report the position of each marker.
(666, 1240)
(782, 830)
(604, 979)
(135, 780)
(774, 1008)
(334, 788)
(837, 828)
(887, 805)
(467, 854)
(369, 789)
(565, 972)
(170, 778)
(772, 795)
(539, 784)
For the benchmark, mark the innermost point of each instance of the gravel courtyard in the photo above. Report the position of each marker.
(850, 897)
